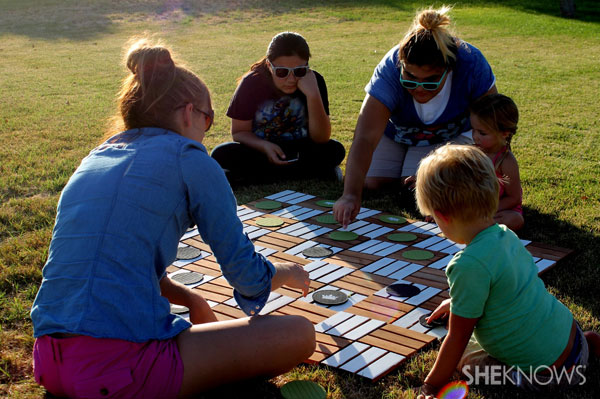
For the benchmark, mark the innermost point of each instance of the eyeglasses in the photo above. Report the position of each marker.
(411, 84)
(210, 115)
(283, 72)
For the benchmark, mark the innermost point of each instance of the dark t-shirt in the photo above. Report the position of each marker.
(275, 116)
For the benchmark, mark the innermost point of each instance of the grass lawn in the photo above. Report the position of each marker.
(60, 68)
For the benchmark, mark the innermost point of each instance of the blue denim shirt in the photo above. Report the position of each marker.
(118, 224)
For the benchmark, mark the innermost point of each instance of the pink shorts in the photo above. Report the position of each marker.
(86, 367)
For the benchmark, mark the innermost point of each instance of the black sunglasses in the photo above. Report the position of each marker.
(210, 115)
(283, 72)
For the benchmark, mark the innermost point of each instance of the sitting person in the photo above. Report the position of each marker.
(495, 292)
(102, 318)
(494, 120)
(280, 119)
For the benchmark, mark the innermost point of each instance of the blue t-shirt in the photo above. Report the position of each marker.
(275, 116)
(119, 220)
(471, 78)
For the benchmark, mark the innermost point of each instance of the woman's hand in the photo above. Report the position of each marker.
(308, 85)
(291, 275)
(442, 311)
(274, 153)
(346, 208)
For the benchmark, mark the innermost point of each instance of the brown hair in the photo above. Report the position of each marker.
(429, 41)
(155, 86)
(283, 44)
(498, 113)
(459, 181)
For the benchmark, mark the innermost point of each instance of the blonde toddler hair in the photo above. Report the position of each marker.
(459, 181)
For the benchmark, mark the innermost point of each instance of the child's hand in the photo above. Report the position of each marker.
(427, 392)
(274, 153)
(442, 311)
(308, 84)
(292, 275)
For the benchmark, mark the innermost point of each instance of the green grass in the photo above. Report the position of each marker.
(60, 70)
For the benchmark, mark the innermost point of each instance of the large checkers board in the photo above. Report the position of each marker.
(373, 332)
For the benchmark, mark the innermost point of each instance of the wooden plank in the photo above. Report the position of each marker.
(346, 354)
(309, 307)
(332, 340)
(285, 237)
(345, 262)
(201, 269)
(362, 361)
(229, 311)
(289, 292)
(382, 366)
(430, 283)
(211, 296)
(394, 337)
(408, 333)
(358, 255)
(291, 310)
(387, 345)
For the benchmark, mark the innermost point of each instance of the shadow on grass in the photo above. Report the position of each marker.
(80, 20)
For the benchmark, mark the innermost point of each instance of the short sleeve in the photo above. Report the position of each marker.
(482, 77)
(323, 91)
(469, 286)
(244, 103)
(213, 207)
(385, 84)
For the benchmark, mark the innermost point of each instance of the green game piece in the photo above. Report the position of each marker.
(303, 390)
(269, 222)
(343, 235)
(393, 219)
(327, 219)
(402, 237)
(325, 203)
(268, 205)
(418, 254)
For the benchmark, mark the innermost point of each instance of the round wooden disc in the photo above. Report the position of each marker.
(268, 205)
(188, 278)
(402, 290)
(418, 254)
(402, 237)
(343, 235)
(269, 222)
(327, 219)
(325, 203)
(393, 219)
(186, 253)
(303, 390)
(317, 252)
(330, 297)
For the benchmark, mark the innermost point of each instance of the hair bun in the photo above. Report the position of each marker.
(432, 19)
(146, 57)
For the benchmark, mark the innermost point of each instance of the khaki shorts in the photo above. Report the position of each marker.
(395, 160)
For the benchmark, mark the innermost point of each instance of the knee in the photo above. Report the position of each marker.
(304, 332)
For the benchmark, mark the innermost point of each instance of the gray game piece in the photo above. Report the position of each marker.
(186, 253)
(188, 278)
(330, 297)
(317, 252)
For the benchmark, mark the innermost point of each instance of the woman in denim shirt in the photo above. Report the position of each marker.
(102, 317)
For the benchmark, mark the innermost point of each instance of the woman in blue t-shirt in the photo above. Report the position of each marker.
(280, 119)
(417, 99)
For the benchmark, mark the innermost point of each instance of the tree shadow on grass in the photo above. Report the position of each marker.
(81, 20)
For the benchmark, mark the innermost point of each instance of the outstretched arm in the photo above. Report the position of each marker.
(179, 294)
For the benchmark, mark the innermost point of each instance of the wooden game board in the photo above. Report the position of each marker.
(373, 332)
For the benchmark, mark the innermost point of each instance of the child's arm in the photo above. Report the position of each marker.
(453, 347)
(291, 275)
(512, 188)
(179, 294)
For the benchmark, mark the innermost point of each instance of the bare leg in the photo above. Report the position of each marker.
(216, 353)
(593, 340)
(513, 220)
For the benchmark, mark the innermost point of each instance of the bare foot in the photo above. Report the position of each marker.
(593, 340)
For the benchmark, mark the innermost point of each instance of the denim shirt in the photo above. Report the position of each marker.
(119, 220)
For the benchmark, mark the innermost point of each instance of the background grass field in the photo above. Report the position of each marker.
(60, 67)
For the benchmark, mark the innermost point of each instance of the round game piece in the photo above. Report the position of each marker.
(418, 254)
(303, 390)
(343, 235)
(393, 219)
(268, 205)
(434, 323)
(188, 278)
(269, 222)
(330, 297)
(327, 219)
(186, 253)
(402, 290)
(402, 237)
(317, 252)
(325, 203)
(179, 309)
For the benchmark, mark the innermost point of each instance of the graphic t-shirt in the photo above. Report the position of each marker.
(275, 116)
(471, 78)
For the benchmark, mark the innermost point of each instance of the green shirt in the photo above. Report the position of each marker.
(494, 278)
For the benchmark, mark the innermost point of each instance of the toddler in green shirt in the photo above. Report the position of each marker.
(504, 326)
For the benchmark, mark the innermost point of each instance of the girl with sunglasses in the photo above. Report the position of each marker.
(418, 98)
(280, 119)
(102, 318)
